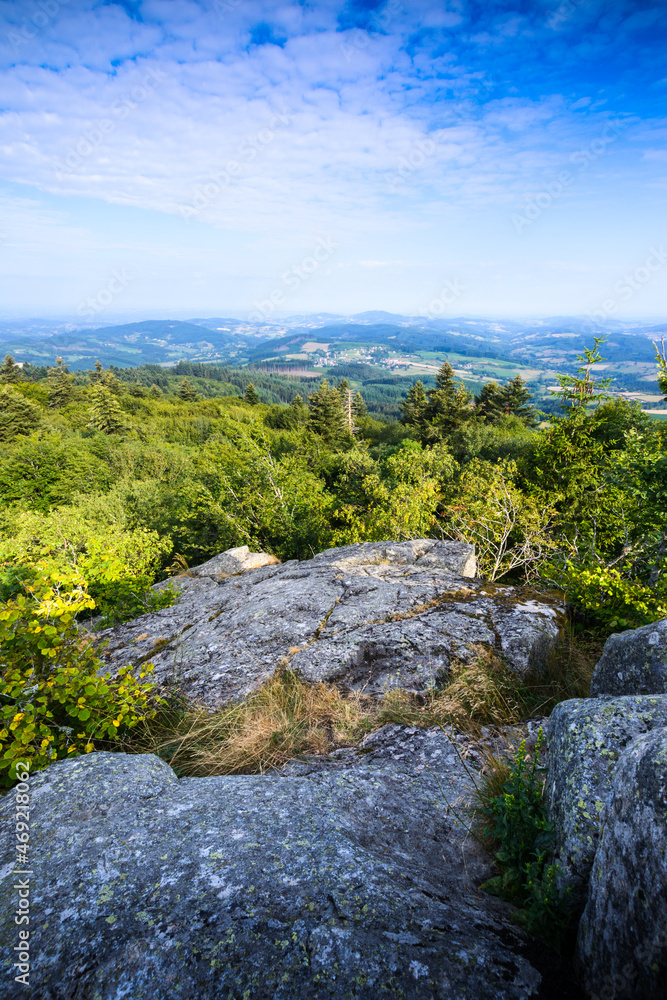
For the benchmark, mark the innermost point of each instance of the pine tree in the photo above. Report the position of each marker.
(18, 415)
(187, 392)
(514, 398)
(60, 384)
(106, 414)
(326, 416)
(98, 374)
(250, 395)
(414, 407)
(155, 392)
(10, 372)
(488, 402)
(448, 404)
(359, 407)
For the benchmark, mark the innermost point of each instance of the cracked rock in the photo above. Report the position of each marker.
(371, 617)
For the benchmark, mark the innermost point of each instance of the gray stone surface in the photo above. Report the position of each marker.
(347, 877)
(585, 739)
(232, 562)
(622, 942)
(371, 617)
(633, 662)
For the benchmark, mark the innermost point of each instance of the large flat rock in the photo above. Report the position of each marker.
(336, 879)
(371, 617)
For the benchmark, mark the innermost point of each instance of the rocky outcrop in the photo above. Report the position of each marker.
(371, 617)
(622, 942)
(232, 562)
(585, 739)
(633, 662)
(346, 877)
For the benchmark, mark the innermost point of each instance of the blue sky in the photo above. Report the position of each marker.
(204, 150)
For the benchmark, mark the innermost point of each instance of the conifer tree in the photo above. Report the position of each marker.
(449, 403)
(250, 395)
(155, 392)
(60, 384)
(187, 392)
(359, 408)
(514, 398)
(18, 415)
(414, 407)
(106, 414)
(488, 402)
(10, 372)
(98, 374)
(326, 416)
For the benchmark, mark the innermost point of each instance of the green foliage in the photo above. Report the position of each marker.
(326, 416)
(93, 541)
(251, 395)
(509, 529)
(608, 601)
(583, 389)
(40, 473)
(414, 408)
(515, 817)
(17, 414)
(187, 393)
(449, 405)
(60, 384)
(105, 413)
(661, 360)
(53, 701)
(10, 372)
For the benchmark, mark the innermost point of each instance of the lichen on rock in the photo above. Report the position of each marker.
(633, 662)
(622, 941)
(585, 739)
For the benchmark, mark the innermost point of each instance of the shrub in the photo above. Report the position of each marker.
(514, 816)
(53, 701)
(609, 600)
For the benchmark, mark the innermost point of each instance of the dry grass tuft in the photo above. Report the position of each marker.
(288, 718)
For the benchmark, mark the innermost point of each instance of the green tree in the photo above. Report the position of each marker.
(449, 404)
(105, 413)
(584, 389)
(60, 384)
(10, 372)
(155, 392)
(359, 408)
(514, 400)
(17, 414)
(414, 408)
(488, 402)
(661, 359)
(250, 395)
(97, 375)
(187, 392)
(326, 415)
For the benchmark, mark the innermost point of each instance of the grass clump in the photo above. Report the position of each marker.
(288, 718)
(284, 719)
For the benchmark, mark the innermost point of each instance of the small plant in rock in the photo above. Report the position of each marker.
(513, 814)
